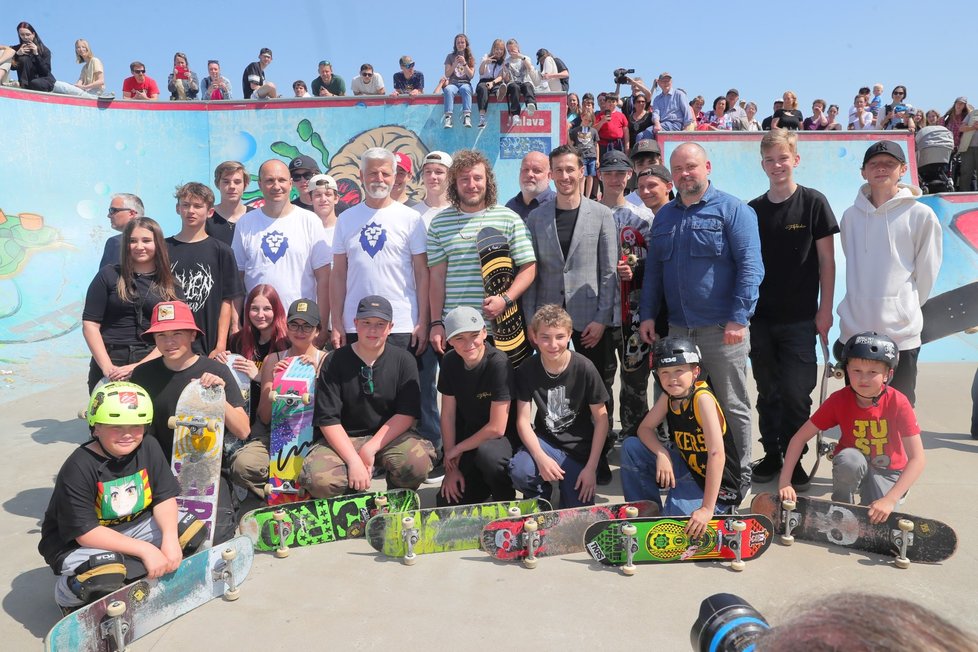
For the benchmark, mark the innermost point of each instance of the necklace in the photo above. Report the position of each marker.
(563, 367)
(469, 218)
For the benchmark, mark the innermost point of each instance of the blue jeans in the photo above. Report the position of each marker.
(430, 426)
(638, 468)
(526, 477)
(783, 360)
(451, 90)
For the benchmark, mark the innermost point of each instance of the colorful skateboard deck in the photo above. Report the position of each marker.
(841, 524)
(150, 604)
(662, 540)
(232, 443)
(198, 441)
(442, 529)
(323, 520)
(633, 250)
(950, 313)
(291, 438)
(558, 532)
(498, 272)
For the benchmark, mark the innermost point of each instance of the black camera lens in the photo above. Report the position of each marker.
(726, 623)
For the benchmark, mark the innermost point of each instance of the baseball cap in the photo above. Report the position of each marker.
(665, 75)
(403, 161)
(438, 157)
(305, 309)
(962, 99)
(304, 162)
(375, 306)
(171, 316)
(733, 91)
(885, 147)
(463, 319)
(615, 160)
(323, 180)
(646, 146)
(656, 171)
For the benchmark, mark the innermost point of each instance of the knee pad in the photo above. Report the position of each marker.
(191, 532)
(102, 574)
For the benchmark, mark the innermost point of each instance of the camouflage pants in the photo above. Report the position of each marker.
(407, 460)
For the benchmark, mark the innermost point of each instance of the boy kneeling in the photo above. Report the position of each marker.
(113, 516)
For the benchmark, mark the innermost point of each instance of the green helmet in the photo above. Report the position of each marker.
(118, 404)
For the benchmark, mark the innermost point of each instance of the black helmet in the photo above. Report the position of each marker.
(674, 351)
(871, 346)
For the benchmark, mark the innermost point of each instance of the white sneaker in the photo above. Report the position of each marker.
(530, 108)
(467, 121)
(447, 122)
(482, 121)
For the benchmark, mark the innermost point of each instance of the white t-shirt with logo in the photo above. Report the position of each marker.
(379, 245)
(282, 252)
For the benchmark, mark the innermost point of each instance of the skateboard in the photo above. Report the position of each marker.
(498, 272)
(950, 313)
(292, 433)
(829, 371)
(559, 532)
(322, 520)
(633, 250)
(198, 441)
(736, 537)
(232, 443)
(135, 610)
(908, 538)
(442, 529)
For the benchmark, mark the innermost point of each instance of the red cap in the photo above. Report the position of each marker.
(403, 161)
(171, 316)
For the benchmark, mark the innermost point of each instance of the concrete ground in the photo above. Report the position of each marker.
(344, 595)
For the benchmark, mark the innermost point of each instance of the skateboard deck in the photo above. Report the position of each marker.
(322, 520)
(291, 438)
(662, 540)
(498, 272)
(442, 529)
(633, 250)
(198, 441)
(841, 524)
(950, 313)
(150, 604)
(558, 532)
(829, 371)
(232, 443)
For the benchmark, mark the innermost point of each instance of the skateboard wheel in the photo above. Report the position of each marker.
(902, 562)
(273, 395)
(905, 525)
(171, 423)
(229, 554)
(380, 502)
(409, 561)
(83, 414)
(306, 398)
(789, 505)
(212, 424)
(787, 539)
(407, 522)
(629, 530)
(737, 565)
(738, 526)
(232, 594)
(268, 490)
(529, 563)
(282, 553)
(115, 609)
(279, 515)
(530, 525)
(628, 570)
(514, 512)
(631, 511)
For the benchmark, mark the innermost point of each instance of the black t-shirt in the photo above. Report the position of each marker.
(789, 290)
(563, 403)
(208, 275)
(475, 390)
(112, 251)
(254, 69)
(219, 227)
(635, 127)
(342, 396)
(164, 387)
(565, 221)
(789, 118)
(92, 490)
(121, 322)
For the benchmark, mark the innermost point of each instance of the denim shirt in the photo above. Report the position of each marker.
(705, 261)
(672, 110)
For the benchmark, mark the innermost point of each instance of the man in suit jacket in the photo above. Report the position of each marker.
(576, 246)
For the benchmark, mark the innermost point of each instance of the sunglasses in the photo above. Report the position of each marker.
(367, 75)
(325, 63)
(408, 65)
(139, 72)
(367, 380)
(113, 210)
(297, 176)
(296, 327)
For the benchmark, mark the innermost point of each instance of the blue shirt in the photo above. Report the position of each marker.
(705, 261)
(523, 210)
(671, 110)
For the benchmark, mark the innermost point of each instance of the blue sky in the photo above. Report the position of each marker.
(820, 50)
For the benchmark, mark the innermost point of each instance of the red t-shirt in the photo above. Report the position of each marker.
(876, 431)
(614, 129)
(130, 85)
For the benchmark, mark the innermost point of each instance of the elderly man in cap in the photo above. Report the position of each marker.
(408, 81)
(366, 409)
(734, 110)
(670, 110)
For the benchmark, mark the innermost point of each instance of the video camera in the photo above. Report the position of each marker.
(726, 623)
(621, 75)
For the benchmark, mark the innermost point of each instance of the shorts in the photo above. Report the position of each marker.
(591, 167)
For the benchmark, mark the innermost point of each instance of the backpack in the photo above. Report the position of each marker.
(564, 81)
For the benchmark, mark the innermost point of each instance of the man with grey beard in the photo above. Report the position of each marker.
(534, 185)
(379, 249)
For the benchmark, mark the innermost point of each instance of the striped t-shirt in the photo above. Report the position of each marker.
(452, 238)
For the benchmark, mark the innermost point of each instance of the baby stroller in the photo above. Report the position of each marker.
(935, 145)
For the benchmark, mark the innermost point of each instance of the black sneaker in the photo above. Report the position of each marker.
(436, 475)
(799, 478)
(604, 471)
(767, 468)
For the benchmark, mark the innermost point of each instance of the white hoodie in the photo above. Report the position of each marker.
(893, 255)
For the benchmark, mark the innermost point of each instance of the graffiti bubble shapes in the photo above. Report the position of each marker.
(240, 147)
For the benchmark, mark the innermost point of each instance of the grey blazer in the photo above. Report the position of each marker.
(585, 283)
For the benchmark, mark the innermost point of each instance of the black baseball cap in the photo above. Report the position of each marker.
(375, 306)
(885, 147)
(305, 309)
(304, 162)
(614, 160)
(645, 147)
(656, 171)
